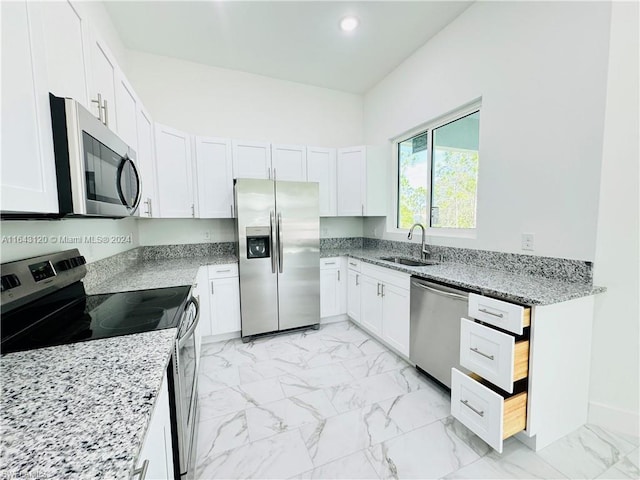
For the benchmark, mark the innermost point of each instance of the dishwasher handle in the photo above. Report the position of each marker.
(459, 296)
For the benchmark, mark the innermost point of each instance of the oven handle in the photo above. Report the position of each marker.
(193, 325)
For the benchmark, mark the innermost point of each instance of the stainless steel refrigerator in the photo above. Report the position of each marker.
(278, 228)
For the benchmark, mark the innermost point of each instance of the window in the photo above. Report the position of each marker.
(438, 173)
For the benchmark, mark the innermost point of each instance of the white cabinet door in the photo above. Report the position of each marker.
(28, 170)
(371, 304)
(353, 295)
(146, 163)
(102, 80)
(174, 173)
(289, 162)
(351, 168)
(321, 168)
(395, 317)
(126, 111)
(329, 292)
(251, 159)
(64, 30)
(157, 447)
(201, 294)
(215, 177)
(225, 305)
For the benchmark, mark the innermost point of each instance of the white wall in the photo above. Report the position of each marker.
(615, 371)
(171, 231)
(218, 102)
(540, 68)
(23, 239)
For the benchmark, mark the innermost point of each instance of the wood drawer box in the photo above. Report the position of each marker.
(223, 271)
(505, 315)
(493, 355)
(490, 415)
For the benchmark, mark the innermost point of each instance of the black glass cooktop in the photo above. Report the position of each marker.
(69, 316)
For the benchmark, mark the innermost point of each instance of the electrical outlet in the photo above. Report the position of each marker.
(527, 241)
(207, 235)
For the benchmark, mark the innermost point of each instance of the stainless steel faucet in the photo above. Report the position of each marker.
(425, 251)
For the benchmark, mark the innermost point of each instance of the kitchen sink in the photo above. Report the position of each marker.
(410, 262)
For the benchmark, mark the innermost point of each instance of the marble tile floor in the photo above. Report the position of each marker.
(335, 404)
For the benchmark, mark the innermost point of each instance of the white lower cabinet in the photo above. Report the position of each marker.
(218, 288)
(155, 460)
(384, 305)
(333, 292)
(353, 289)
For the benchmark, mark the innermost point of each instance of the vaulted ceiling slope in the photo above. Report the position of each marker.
(295, 41)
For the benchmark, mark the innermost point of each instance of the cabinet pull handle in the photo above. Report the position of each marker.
(99, 102)
(353, 264)
(223, 271)
(475, 410)
(212, 289)
(150, 207)
(357, 279)
(231, 211)
(329, 263)
(382, 288)
(378, 290)
(106, 112)
(142, 471)
(193, 210)
(338, 275)
(362, 209)
(474, 349)
(483, 310)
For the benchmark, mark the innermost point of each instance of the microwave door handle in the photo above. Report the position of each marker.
(123, 199)
(194, 324)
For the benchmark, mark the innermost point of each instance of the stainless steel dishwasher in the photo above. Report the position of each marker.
(436, 311)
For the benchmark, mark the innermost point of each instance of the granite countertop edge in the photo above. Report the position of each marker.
(524, 289)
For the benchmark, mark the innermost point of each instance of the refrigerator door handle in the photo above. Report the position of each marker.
(273, 257)
(279, 239)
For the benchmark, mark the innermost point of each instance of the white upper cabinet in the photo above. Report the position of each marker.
(362, 181)
(28, 171)
(289, 162)
(64, 31)
(351, 166)
(215, 177)
(174, 173)
(251, 159)
(146, 163)
(321, 168)
(126, 111)
(102, 79)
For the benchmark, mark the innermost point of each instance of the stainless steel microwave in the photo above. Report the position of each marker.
(95, 170)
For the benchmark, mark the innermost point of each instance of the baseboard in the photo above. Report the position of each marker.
(614, 419)
(334, 319)
(220, 338)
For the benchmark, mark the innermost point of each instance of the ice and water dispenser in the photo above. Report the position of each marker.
(258, 242)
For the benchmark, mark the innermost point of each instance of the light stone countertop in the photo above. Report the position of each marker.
(170, 272)
(80, 410)
(524, 289)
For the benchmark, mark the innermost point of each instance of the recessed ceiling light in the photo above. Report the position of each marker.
(348, 24)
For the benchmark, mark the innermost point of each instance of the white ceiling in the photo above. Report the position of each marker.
(297, 41)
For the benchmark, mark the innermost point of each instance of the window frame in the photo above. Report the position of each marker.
(428, 127)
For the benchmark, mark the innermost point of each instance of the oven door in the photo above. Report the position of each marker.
(186, 383)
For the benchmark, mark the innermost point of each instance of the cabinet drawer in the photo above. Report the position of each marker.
(353, 264)
(493, 355)
(330, 262)
(505, 315)
(488, 414)
(223, 271)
